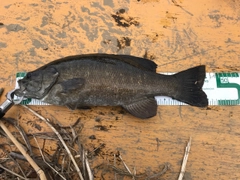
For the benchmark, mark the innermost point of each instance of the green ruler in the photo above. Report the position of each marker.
(221, 89)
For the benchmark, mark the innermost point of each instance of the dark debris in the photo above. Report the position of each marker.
(101, 128)
(122, 19)
(123, 42)
(92, 137)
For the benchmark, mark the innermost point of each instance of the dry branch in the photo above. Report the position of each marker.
(15, 174)
(185, 158)
(60, 138)
(24, 153)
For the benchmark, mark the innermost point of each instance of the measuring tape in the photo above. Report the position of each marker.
(221, 89)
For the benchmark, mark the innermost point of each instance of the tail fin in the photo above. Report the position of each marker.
(190, 83)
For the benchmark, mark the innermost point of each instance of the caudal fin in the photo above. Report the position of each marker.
(190, 83)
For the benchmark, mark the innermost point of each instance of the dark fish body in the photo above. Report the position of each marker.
(112, 80)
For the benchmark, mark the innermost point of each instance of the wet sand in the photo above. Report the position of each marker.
(175, 36)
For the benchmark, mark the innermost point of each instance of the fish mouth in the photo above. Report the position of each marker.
(27, 88)
(20, 92)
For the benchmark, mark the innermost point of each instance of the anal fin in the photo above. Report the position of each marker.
(143, 108)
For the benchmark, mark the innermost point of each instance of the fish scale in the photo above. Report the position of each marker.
(221, 88)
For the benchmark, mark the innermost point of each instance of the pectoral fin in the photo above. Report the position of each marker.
(71, 88)
(143, 108)
(71, 85)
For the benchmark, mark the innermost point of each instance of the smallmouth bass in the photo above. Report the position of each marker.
(112, 80)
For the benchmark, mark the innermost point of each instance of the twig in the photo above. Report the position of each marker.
(21, 131)
(85, 163)
(133, 175)
(114, 164)
(73, 134)
(63, 162)
(83, 160)
(126, 167)
(13, 159)
(39, 171)
(185, 158)
(15, 174)
(176, 4)
(134, 172)
(122, 172)
(69, 126)
(102, 144)
(60, 138)
(90, 175)
(45, 160)
(46, 135)
(164, 170)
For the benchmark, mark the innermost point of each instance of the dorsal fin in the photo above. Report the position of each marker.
(138, 62)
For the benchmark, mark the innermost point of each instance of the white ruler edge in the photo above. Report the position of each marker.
(228, 93)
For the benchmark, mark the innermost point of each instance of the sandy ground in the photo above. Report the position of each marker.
(175, 37)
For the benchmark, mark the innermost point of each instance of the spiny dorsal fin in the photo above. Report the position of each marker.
(138, 62)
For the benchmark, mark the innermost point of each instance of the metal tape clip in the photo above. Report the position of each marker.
(6, 105)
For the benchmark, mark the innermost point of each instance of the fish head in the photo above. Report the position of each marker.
(37, 84)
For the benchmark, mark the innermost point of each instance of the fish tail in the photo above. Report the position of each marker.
(190, 84)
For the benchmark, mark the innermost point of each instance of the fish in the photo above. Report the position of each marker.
(112, 80)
